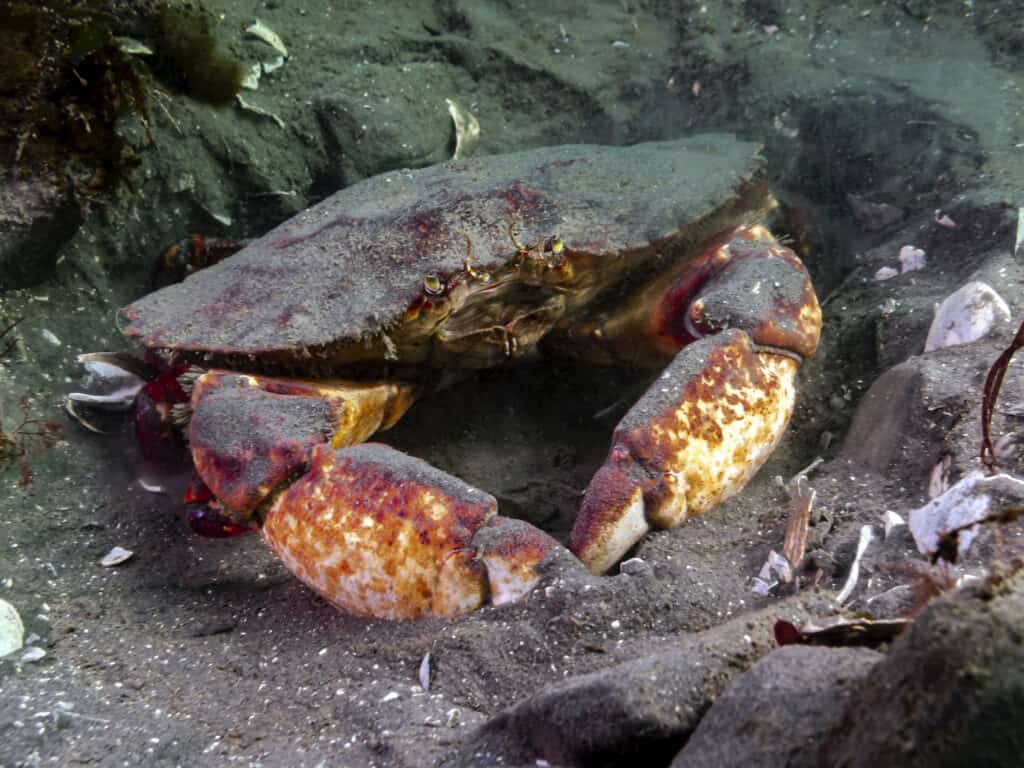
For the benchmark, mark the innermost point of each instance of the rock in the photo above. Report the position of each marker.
(779, 711)
(881, 419)
(872, 216)
(951, 691)
(36, 218)
(639, 711)
(374, 118)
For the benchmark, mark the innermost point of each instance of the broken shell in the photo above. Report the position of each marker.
(851, 580)
(261, 31)
(891, 520)
(132, 47)
(911, 259)
(1019, 237)
(32, 654)
(467, 129)
(960, 509)
(273, 65)
(116, 556)
(251, 79)
(12, 631)
(885, 273)
(966, 315)
(248, 107)
(425, 672)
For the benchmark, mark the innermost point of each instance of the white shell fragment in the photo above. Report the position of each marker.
(132, 47)
(50, 336)
(425, 672)
(967, 503)
(1019, 238)
(257, 110)
(261, 31)
(273, 65)
(116, 556)
(467, 128)
(32, 654)
(966, 315)
(12, 631)
(866, 535)
(911, 259)
(891, 520)
(775, 569)
(885, 273)
(251, 79)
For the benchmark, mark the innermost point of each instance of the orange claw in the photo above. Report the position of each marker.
(694, 439)
(379, 533)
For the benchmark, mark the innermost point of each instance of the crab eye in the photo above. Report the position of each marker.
(557, 246)
(433, 285)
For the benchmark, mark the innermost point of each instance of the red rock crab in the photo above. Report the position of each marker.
(324, 331)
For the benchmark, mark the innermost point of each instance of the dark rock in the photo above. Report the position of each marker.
(951, 692)
(640, 711)
(878, 427)
(36, 218)
(377, 118)
(779, 711)
(874, 216)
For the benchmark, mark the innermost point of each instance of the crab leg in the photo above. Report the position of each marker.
(374, 531)
(250, 435)
(379, 533)
(715, 415)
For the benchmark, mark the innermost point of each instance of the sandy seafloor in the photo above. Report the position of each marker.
(207, 652)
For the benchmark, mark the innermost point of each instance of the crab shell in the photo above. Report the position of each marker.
(606, 253)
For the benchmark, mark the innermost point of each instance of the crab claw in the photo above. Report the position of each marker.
(379, 533)
(717, 412)
(695, 438)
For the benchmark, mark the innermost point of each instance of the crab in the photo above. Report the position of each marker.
(282, 360)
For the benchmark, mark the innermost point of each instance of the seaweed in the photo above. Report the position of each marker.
(189, 57)
(993, 383)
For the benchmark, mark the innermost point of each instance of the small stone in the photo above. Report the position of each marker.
(635, 566)
(886, 273)
(775, 714)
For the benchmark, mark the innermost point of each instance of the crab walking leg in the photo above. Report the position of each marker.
(695, 438)
(379, 533)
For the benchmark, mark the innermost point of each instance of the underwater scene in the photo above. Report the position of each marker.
(467, 384)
